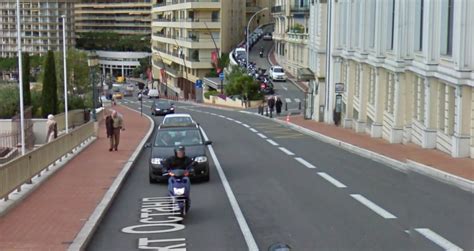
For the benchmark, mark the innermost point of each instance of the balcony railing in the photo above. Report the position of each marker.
(191, 20)
(183, 1)
(278, 9)
(187, 39)
(299, 8)
(297, 36)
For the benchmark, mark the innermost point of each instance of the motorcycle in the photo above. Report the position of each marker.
(261, 54)
(179, 190)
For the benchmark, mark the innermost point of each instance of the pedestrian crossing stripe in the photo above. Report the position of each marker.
(297, 100)
(288, 100)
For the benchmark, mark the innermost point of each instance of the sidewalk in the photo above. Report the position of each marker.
(303, 86)
(461, 167)
(52, 216)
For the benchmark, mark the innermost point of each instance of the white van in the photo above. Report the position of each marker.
(153, 93)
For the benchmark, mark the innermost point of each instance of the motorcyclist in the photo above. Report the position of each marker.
(178, 161)
(261, 51)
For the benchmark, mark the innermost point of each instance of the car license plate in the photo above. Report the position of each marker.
(165, 110)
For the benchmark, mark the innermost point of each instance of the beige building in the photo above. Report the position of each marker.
(265, 17)
(185, 35)
(407, 68)
(41, 26)
(291, 33)
(130, 17)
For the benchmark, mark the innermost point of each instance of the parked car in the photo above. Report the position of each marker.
(162, 107)
(267, 37)
(163, 146)
(277, 73)
(117, 94)
(178, 120)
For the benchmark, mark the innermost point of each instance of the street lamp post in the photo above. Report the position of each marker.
(65, 75)
(92, 61)
(247, 35)
(20, 76)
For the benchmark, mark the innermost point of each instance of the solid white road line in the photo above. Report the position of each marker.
(287, 100)
(238, 122)
(253, 130)
(272, 142)
(331, 180)
(380, 211)
(285, 151)
(438, 239)
(246, 125)
(297, 100)
(222, 116)
(304, 162)
(249, 239)
(261, 136)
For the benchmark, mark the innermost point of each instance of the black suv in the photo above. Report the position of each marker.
(162, 107)
(167, 139)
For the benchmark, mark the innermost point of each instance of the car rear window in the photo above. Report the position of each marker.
(177, 121)
(172, 138)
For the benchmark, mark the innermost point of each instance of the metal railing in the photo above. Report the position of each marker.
(22, 169)
(183, 1)
(189, 20)
(186, 39)
(75, 118)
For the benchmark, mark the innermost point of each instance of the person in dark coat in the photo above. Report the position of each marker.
(278, 105)
(109, 126)
(271, 105)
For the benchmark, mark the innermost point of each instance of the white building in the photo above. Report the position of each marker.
(408, 71)
(118, 63)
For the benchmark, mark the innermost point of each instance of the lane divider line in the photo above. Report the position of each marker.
(380, 211)
(246, 125)
(285, 151)
(438, 239)
(244, 227)
(272, 142)
(261, 136)
(304, 162)
(331, 180)
(253, 130)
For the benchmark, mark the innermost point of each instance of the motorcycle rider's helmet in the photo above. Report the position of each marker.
(179, 149)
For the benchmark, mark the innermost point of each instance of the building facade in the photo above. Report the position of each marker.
(291, 33)
(41, 26)
(187, 34)
(127, 17)
(265, 17)
(407, 68)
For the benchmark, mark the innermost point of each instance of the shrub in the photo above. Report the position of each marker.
(210, 93)
(9, 95)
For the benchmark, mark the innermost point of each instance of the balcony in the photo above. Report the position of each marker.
(190, 62)
(278, 9)
(303, 9)
(174, 72)
(188, 23)
(186, 4)
(187, 42)
(297, 37)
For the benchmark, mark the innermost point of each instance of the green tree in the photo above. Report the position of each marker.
(239, 83)
(26, 79)
(9, 96)
(50, 93)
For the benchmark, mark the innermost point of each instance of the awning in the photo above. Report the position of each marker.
(305, 74)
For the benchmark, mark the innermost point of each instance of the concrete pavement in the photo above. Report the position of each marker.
(52, 216)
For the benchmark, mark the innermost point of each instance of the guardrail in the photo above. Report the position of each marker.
(75, 118)
(22, 169)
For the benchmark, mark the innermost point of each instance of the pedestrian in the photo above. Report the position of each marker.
(52, 126)
(114, 126)
(271, 105)
(278, 105)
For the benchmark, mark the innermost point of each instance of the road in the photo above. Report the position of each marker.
(293, 189)
(288, 92)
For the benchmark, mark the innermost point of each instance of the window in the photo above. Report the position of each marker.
(358, 23)
(372, 86)
(419, 12)
(215, 16)
(372, 20)
(390, 93)
(447, 16)
(391, 24)
(357, 81)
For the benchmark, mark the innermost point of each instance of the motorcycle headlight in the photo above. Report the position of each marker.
(178, 191)
(157, 109)
(156, 161)
(200, 159)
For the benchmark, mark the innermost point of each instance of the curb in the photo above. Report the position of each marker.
(26, 189)
(404, 167)
(84, 236)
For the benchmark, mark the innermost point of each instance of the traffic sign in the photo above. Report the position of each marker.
(198, 83)
(221, 75)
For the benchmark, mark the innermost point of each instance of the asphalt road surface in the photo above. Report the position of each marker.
(288, 92)
(278, 185)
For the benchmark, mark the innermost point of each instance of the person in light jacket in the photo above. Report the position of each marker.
(52, 126)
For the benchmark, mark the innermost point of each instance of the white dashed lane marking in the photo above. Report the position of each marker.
(261, 136)
(285, 151)
(331, 180)
(272, 142)
(246, 125)
(304, 162)
(380, 211)
(438, 239)
(253, 130)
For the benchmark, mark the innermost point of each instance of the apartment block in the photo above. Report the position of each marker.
(41, 25)
(128, 17)
(291, 33)
(187, 34)
(407, 71)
